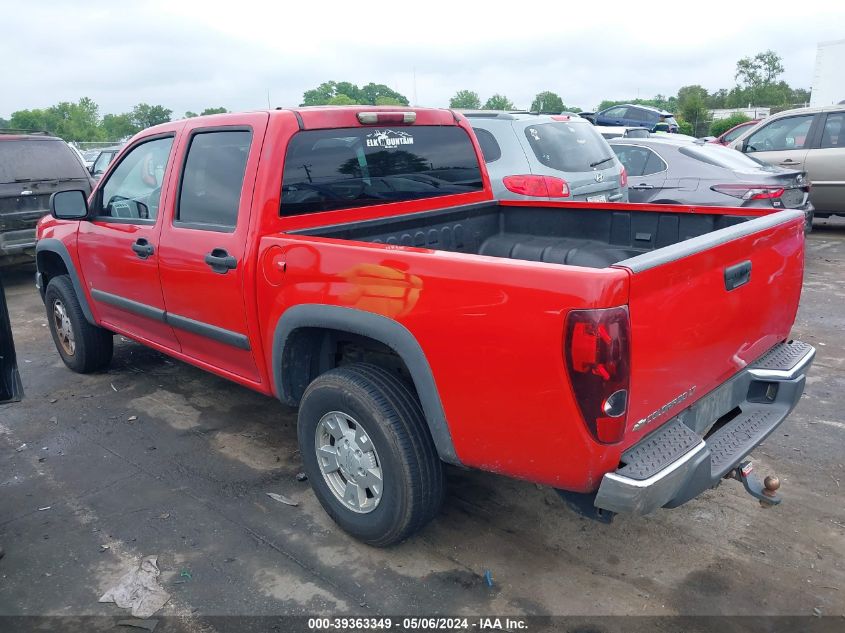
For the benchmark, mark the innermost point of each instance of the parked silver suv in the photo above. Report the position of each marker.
(552, 157)
(808, 139)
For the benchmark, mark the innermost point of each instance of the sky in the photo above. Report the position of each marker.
(189, 54)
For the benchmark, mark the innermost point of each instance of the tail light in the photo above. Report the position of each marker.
(623, 178)
(750, 192)
(597, 351)
(537, 186)
(386, 118)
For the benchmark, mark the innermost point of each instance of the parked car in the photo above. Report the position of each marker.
(550, 157)
(89, 156)
(632, 116)
(353, 261)
(665, 170)
(727, 137)
(811, 139)
(103, 160)
(32, 167)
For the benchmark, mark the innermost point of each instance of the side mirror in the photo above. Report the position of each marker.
(91, 170)
(69, 205)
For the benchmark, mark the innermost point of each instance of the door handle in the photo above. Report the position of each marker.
(738, 275)
(220, 261)
(642, 186)
(143, 248)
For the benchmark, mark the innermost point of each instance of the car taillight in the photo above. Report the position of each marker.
(623, 178)
(537, 186)
(597, 350)
(750, 192)
(386, 118)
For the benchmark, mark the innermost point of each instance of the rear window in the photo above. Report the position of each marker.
(726, 157)
(355, 167)
(567, 146)
(489, 146)
(38, 160)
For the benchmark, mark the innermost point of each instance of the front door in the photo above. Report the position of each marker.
(204, 246)
(782, 142)
(119, 247)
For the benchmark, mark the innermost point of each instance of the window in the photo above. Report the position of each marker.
(834, 131)
(721, 156)
(212, 179)
(38, 159)
(133, 190)
(567, 146)
(489, 146)
(733, 134)
(782, 134)
(650, 117)
(355, 167)
(615, 113)
(102, 162)
(638, 160)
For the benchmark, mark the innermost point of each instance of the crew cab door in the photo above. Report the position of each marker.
(119, 246)
(205, 267)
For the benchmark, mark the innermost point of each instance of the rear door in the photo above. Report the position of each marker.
(646, 171)
(825, 165)
(703, 309)
(119, 246)
(205, 266)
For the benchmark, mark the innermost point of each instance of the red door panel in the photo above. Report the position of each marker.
(118, 247)
(203, 251)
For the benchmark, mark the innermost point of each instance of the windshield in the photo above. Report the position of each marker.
(22, 161)
(354, 167)
(721, 156)
(568, 147)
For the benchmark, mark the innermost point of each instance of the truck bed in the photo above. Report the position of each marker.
(589, 237)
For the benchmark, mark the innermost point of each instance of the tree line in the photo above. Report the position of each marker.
(81, 121)
(757, 83)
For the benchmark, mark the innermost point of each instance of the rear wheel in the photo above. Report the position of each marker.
(83, 347)
(368, 454)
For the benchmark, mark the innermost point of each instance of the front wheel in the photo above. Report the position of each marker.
(83, 347)
(368, 453)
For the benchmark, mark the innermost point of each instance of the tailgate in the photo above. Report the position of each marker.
(703, 309)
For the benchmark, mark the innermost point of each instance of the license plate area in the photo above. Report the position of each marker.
(599, 198)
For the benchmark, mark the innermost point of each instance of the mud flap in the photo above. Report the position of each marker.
(11, 388)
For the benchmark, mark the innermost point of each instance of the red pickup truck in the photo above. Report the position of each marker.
(353, 262)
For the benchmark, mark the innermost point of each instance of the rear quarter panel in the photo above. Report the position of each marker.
(492, 332)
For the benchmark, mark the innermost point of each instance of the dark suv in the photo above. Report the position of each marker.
(632, 116)
(32, 167)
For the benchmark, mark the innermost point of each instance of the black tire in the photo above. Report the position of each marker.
(391, 415)
(92, 346)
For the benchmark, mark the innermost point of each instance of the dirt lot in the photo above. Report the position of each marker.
(156, 457)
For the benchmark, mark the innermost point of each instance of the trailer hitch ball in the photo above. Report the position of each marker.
(771, 483)
(765, 492)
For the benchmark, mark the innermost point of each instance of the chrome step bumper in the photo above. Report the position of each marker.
(690, 454)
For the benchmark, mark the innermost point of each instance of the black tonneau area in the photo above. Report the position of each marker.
(594, 238)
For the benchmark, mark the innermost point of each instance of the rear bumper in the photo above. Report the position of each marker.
(695, 450)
